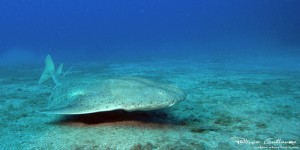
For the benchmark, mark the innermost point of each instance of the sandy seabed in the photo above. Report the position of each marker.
(228, 106)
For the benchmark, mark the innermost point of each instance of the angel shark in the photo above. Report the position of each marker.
(82, 96)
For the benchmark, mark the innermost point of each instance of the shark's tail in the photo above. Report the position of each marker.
(49, 71)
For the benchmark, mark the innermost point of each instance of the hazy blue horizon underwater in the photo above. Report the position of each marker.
(238, 63)
(118, 30)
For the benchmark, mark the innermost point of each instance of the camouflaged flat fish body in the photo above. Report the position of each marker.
(130, 94)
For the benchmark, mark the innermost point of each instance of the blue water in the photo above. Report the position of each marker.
(92, 30)
(238, 62)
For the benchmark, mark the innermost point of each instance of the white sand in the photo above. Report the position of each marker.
(223, 101)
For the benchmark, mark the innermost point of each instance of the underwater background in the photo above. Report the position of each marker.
(115, 30)
(238, 62)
